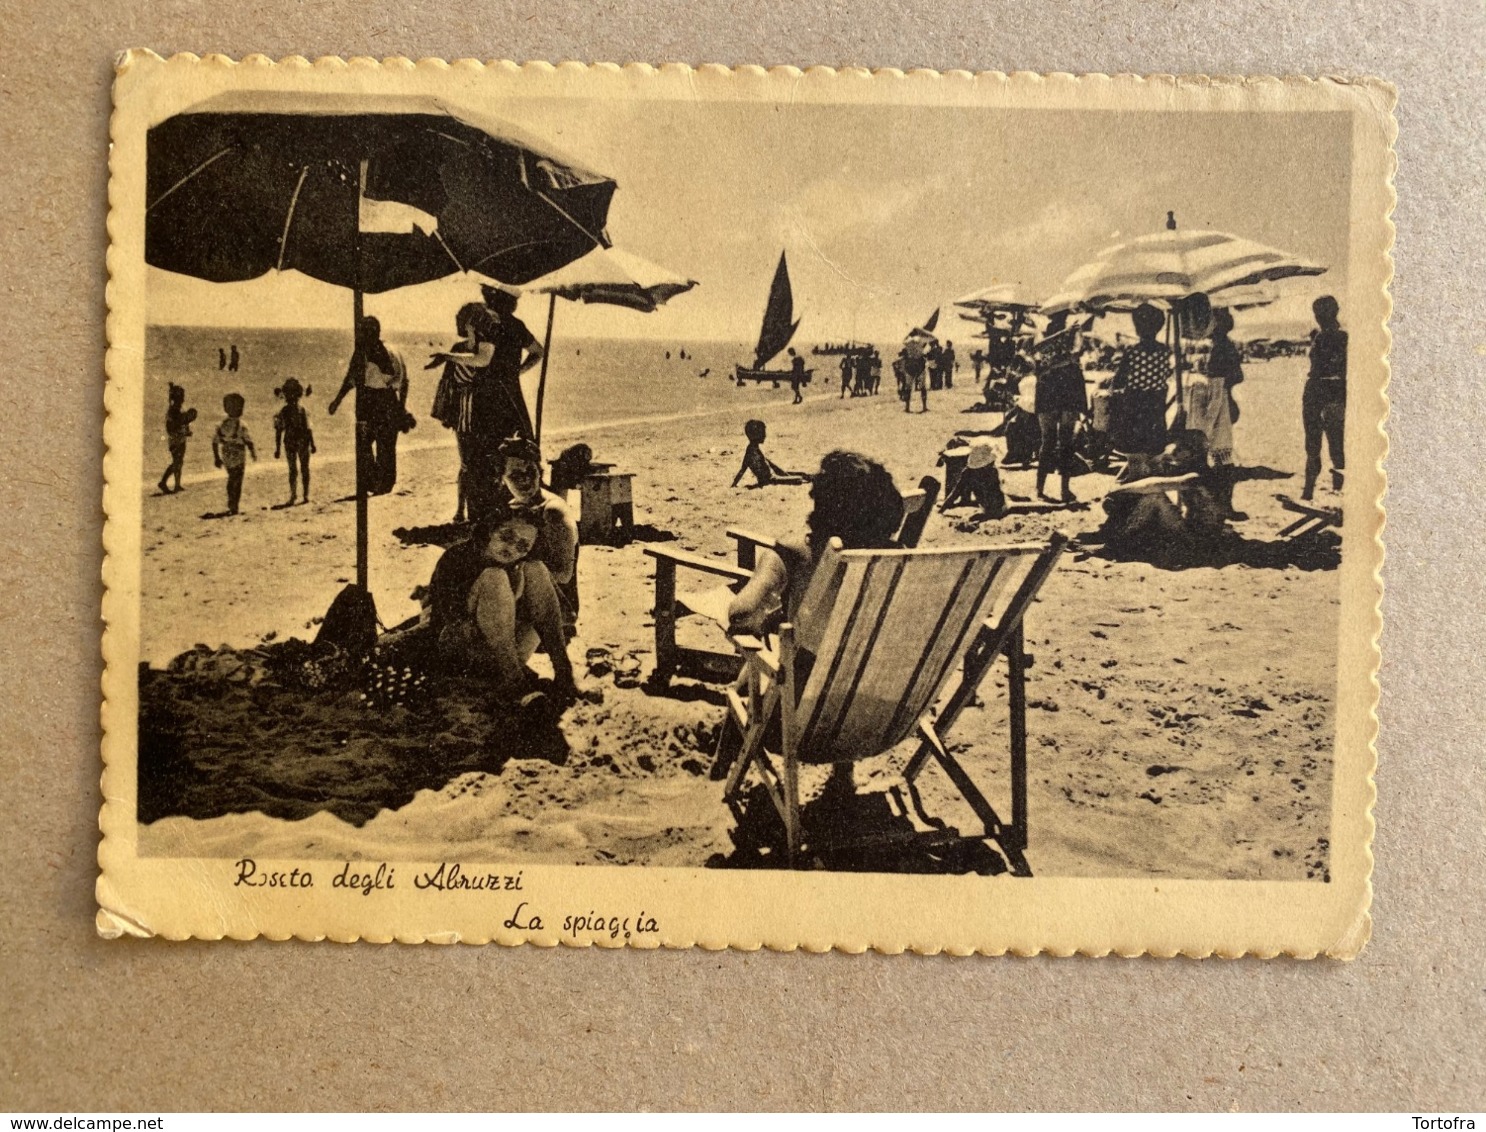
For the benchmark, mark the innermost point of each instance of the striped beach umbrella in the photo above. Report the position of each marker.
(1167, 267)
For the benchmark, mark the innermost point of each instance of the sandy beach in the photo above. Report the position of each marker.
(1181, 721)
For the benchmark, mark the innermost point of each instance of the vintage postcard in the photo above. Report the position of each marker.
(670, 507)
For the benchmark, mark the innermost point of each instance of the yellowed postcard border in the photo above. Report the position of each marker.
(667, 907)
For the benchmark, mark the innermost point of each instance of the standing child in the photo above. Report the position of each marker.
(292, 435)
(231, 446)
(178, 420)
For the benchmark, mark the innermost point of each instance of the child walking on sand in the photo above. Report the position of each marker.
(231, 446)
(293, 436)
(178, 420)
(764, 470)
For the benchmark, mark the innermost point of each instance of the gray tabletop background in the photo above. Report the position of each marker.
(156, 1026)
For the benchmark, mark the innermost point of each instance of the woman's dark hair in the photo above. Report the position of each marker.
(755, 431)
(1197, 313)
(177, 392)
(472, 316)
(494, 518)
(571, 468)
(521, 448)
(854, 499)
(1148, 320)
(1326, 308)
(1187, 451)
(476, 317)
(1222, 322)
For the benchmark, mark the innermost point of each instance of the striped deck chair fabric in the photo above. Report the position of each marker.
(878, 638)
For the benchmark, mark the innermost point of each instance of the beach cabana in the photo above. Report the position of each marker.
(369, 194)
(605, 275)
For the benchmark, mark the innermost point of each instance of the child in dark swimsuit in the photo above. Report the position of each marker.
(764, 470)
(292, 436)
(178, 420)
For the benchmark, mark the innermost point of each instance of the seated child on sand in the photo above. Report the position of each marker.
(764, 470)
(978, 483)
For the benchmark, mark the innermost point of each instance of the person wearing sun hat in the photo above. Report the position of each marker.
(981, 483)
(973, 480)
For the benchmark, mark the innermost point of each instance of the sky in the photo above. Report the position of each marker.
(885, 212)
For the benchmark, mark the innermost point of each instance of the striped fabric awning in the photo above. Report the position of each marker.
(1170, 265)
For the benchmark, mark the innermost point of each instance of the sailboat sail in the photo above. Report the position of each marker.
(779, 320)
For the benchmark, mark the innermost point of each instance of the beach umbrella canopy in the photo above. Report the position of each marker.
(1001, 297)
(924, 333)
(361, 193)
(604, 275)
(364, 193)
(614, 276)
(999, 309)
(1168, 266)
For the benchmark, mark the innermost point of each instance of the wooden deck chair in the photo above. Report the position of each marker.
(673, 659)
(888, 631)
(1312, 519)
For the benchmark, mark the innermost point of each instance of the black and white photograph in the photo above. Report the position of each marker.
(769, 477)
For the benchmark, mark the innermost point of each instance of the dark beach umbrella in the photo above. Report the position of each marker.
(368, 194)
(248, 184)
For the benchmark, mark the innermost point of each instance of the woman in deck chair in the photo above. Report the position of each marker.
(853, 499)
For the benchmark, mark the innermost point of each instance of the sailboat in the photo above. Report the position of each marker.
(778, 328)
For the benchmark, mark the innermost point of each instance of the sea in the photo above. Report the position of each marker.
(590, 382)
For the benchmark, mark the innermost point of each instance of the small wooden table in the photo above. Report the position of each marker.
(607, 509)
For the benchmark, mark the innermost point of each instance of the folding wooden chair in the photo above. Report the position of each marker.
(673, 659)
(1312, 519)
(883, 633)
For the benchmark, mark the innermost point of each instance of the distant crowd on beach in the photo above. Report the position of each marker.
(1175, 460)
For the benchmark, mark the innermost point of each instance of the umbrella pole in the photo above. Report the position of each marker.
(361, 516)
(546, 355)
(359, 365)
(1176, 330)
